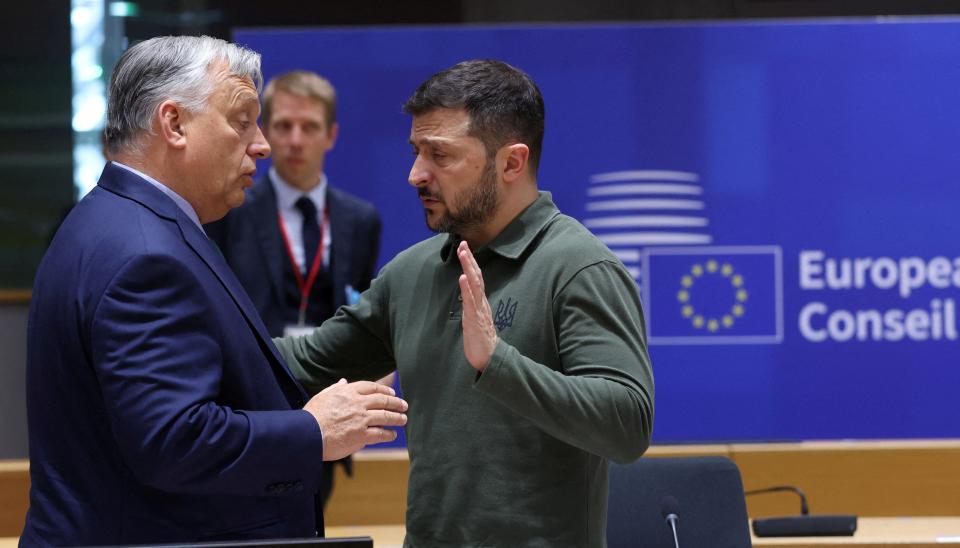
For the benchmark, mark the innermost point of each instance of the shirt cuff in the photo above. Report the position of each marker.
(493, 374)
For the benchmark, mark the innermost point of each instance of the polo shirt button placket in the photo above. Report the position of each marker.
(456, 309)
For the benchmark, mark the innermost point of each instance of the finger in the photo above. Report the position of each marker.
(475, 272)
(474, 278)
(379, 435)
(466, 292)
(383, 401)
(386, 418)
(461, 249)
(476, 307)
(469, 264)
(467, 261)
(370, 387)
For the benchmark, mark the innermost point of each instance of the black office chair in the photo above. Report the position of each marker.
(712, 512)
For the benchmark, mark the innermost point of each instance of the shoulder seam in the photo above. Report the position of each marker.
(573, 276)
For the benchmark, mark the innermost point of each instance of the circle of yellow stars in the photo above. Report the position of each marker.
(689, 281)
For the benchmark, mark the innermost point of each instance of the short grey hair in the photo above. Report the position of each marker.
(167, 68)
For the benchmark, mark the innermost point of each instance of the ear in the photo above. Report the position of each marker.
(334, 132)
(516, 159)
(171, 119)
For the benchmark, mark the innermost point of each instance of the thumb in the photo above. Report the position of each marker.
(342, 381)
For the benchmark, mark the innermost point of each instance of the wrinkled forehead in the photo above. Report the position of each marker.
(243, 92)
(440, 124)
(234, 89)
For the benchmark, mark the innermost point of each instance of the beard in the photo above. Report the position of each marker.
(474, 207)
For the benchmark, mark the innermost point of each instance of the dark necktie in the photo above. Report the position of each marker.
(311, 231)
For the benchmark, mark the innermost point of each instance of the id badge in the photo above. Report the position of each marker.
(298, 330)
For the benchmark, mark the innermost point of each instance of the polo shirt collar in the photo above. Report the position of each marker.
(518, 235)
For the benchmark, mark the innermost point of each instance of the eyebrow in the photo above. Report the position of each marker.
(246, 98)
(432, 141)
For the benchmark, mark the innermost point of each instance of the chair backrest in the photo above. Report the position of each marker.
(712, 510)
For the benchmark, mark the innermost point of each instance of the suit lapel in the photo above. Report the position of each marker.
(209, 253)
(125, 183)
(265, 219)
(341, 234)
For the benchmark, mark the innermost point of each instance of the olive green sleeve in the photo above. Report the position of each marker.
(354, 344)
(602, 398)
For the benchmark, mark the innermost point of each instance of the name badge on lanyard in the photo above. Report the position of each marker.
(304, 284)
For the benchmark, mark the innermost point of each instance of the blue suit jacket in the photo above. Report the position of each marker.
(250, 239)
(159, 409)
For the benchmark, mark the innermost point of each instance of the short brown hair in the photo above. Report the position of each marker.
(302, 83)
(503, 102)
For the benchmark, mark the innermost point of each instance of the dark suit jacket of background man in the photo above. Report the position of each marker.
(153, 388)
(250, 239)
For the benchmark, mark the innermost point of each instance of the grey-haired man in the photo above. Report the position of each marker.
(159, 409)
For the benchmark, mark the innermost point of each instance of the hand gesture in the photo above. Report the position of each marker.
(479, 334)
(352, 415)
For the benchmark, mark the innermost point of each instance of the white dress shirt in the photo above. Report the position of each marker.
(287, 196)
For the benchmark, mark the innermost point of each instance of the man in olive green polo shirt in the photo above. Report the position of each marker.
(518, 336)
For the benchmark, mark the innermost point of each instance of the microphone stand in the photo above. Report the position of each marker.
(803, 525)
(672, 520)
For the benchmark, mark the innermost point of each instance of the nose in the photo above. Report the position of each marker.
(259, 148)
(419, 175)
(296, 135)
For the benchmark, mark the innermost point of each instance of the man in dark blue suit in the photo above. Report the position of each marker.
(300, 247)
(159, 409)
(294, 222)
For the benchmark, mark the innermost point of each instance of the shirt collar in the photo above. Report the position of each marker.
(181, 202)
(518, 235)
(287, 194)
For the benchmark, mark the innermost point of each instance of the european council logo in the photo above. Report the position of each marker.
(713, 295)
(630, 210)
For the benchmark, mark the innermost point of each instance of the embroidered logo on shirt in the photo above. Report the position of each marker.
(503, 317)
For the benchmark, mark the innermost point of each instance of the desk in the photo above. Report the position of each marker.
(921, 478)
(911, 532)
(384, 536)
(907, 532)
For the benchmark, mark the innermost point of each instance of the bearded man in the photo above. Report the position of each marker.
(518, 336)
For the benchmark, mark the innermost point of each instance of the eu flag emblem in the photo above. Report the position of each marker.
(714, 295)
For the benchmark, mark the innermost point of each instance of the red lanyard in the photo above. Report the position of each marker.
(304, 285)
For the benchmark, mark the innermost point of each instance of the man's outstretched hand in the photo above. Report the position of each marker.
(353, 415)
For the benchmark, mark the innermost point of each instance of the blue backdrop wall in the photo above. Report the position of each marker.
(784, 193)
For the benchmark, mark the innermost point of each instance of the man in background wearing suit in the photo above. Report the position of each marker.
(159, 409)
(300, 247)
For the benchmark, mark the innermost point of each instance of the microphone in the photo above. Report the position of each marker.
(669, 509)
(803, 525)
